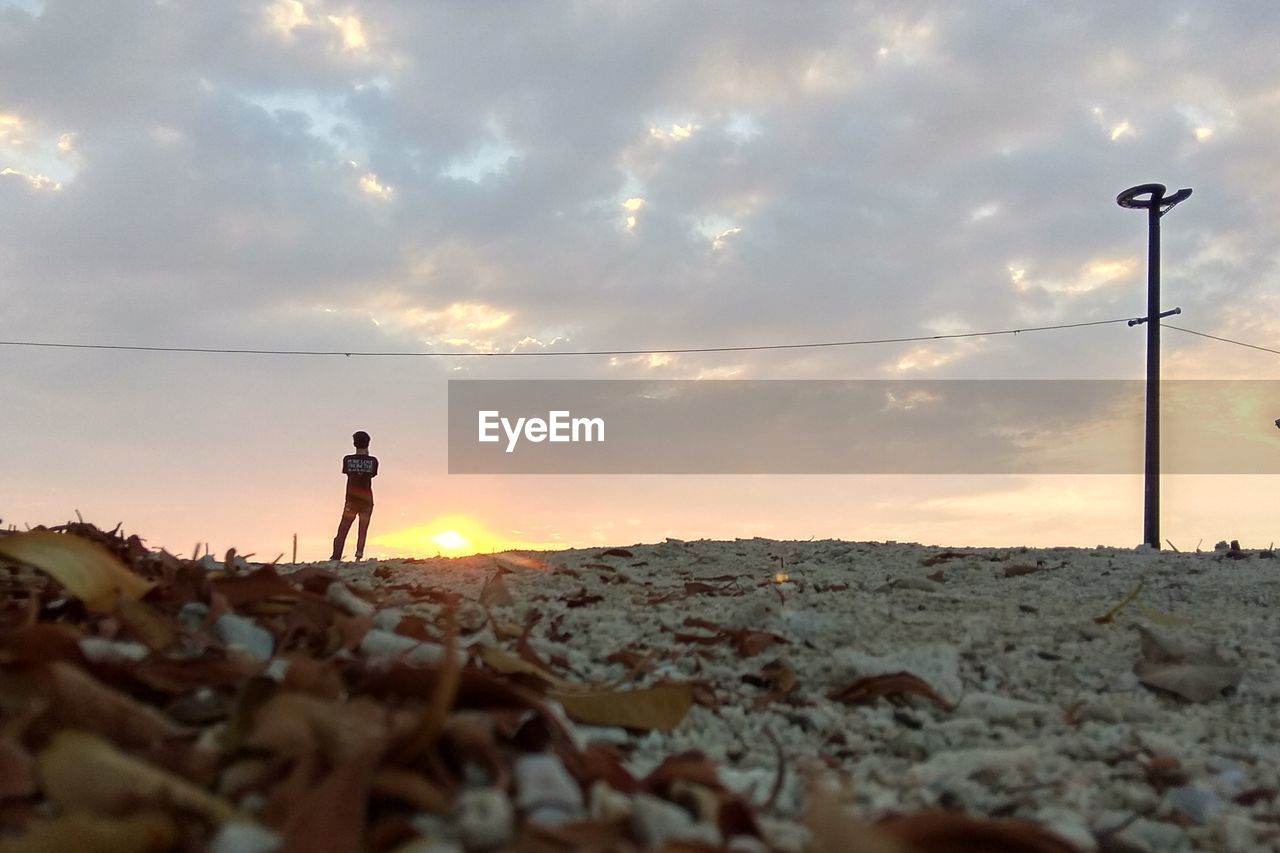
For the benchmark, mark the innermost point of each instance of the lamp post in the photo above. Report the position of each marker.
(1157, 204)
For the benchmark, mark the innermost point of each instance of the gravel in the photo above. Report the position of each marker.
(1042, 716)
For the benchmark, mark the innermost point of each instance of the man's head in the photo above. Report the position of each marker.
(360, 440)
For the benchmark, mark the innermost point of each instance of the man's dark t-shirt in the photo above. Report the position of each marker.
(360, 469)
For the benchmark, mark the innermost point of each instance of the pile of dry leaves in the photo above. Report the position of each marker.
(152, 703)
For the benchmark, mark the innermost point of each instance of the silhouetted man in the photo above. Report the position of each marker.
(360, 469)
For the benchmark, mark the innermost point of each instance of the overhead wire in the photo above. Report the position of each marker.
(1216, 338)
(550, 353)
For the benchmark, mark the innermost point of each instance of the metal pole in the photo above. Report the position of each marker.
(1151, 482)
(1156, 205)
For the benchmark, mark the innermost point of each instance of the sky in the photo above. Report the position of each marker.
(498, 177)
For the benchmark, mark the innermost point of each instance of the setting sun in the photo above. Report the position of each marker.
(451, 540)
(453, 536)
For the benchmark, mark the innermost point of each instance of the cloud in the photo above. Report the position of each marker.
(623, 177)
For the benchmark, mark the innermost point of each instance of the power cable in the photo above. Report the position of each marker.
(1216, 338)
(676, 351)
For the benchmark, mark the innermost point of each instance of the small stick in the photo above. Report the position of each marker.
(1174, 547)
(295, 547)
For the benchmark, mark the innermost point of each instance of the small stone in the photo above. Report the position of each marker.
(542, 780)
(1196, 803)
(340, 596)
(485, 818)
(100, 650)
(193, 614)
(656, 821)
(238, 631)
(388, 618)
(378, 642)
(244, 838)
(607, 804)
(746, 844)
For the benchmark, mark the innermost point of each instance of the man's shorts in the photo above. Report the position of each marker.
(355, 506)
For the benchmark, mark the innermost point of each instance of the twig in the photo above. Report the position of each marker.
(1174, 547)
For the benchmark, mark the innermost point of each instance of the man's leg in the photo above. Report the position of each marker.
(365, 514)
(340, 541)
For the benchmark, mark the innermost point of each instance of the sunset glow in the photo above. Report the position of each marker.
(453, 536)
(452, 540)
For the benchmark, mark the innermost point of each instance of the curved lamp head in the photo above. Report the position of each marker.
(1156, 197)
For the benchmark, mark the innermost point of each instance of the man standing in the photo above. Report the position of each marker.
(360, 469)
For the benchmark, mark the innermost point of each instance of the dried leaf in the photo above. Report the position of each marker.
(411, 789)
(944, 556)
(1110, 615)
(82, 772)
(835, 830)
(149, 832)
(86, 570)
(1196, 673)
(1021, 569)
(43, 643)
(661, 707)
(444, 693)
(332, 814)
(494, 593)
(683, 767)
(616, 552)
(891, 684)
(582, 598)
(956, 832)
(1159, 617)
(78, 700)
(17, 770)
(507, 663)
(148, 625)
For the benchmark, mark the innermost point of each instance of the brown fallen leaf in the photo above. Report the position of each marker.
(660, 707)
(1021, 569)
(494, 593)
(148, 832)
(616, 552)
(410, 788)
(78, 700)
(1196, 673)
(775, 675)
(443, 695)
(83, 773)
(835, 830)
(331, 816)
(1110, 615)
(505, 662)
(944, 556)
(582, 598)
(147, 625)
(86, 570)
(17, 770)
(683, 767)
(747, 642)
(956, 832)
(42, 643)
(891, 684)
